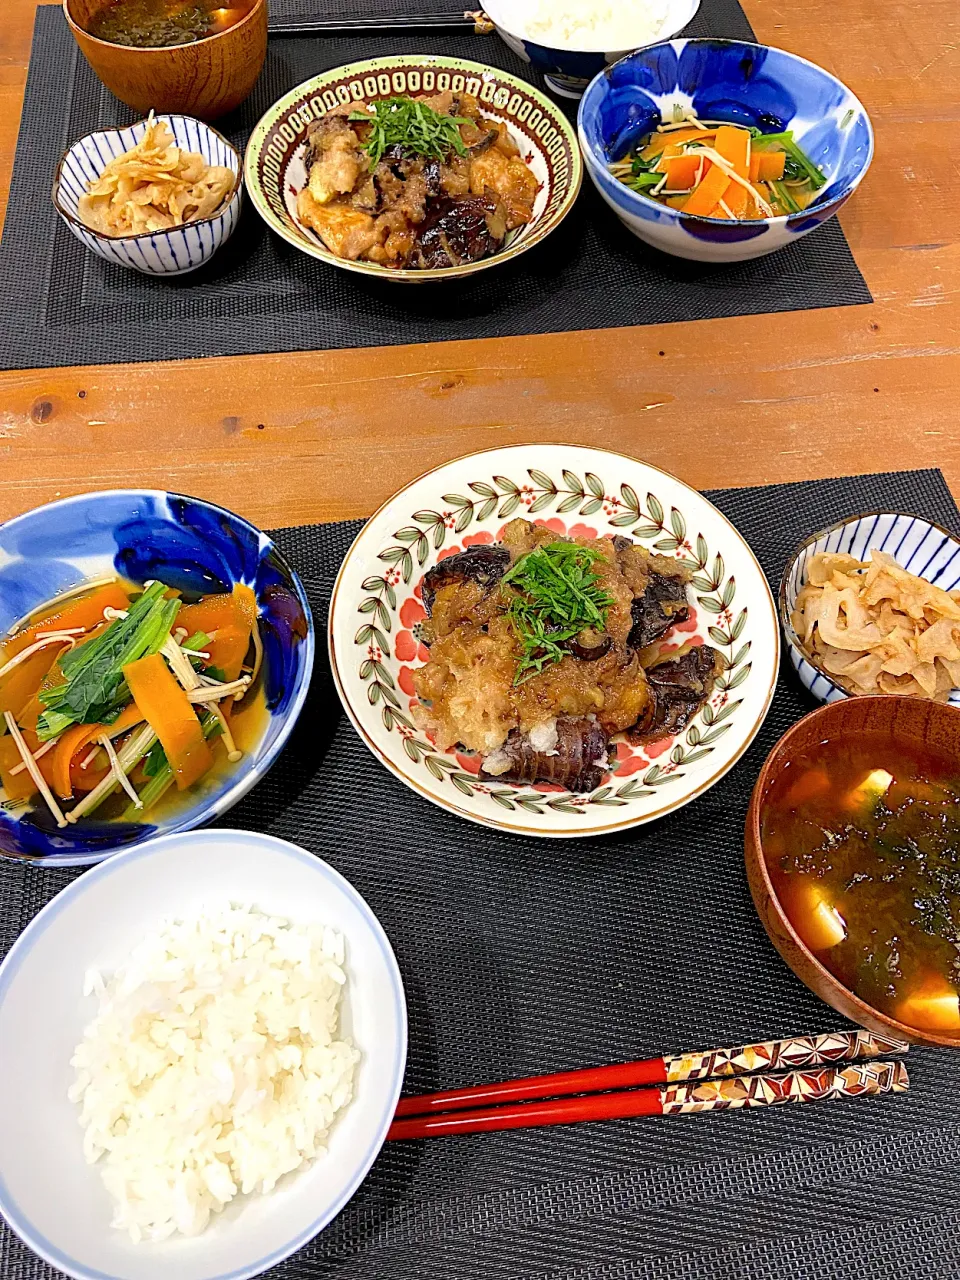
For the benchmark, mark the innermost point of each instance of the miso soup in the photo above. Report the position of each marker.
(862, 841)
(151, 24)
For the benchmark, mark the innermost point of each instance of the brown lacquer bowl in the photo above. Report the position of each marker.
(206, 78)
(933, 725)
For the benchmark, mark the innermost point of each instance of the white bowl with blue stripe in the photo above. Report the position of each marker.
(920, 546)
(56, 1202)
(155, 253)
(741, 83)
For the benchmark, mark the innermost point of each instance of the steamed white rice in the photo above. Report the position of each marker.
(589, 25)
(213, 1066)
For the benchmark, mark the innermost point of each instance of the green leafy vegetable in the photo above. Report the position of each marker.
(94, 684)
(784, 198)
(798, 164)
(159, 772)
(555, 595)
(643, 181)
(413, 127)
(155, 761)
(639, 165)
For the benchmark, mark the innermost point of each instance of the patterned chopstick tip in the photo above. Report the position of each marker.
(792, 1054)
(854, 1080)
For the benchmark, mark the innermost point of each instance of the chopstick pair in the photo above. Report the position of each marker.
(475, 20)
(835, 1065)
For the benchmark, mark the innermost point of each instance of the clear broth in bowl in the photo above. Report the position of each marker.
(862, 842)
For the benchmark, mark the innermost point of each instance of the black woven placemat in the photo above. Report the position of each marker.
(65, 306)
(521, 956)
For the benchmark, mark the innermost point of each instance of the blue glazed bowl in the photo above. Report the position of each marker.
(731, 80)
(919, 545)
(568, 71)
(198, 548)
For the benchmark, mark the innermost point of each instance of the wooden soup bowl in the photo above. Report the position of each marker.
(917, 721)
(206, 78)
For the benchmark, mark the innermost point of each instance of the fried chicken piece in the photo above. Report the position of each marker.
(333, 159)
(507, 177)
(347, 232)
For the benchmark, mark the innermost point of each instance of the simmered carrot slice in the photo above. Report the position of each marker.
(16, 786)
(681, 171)
(246, 605)
(85, 612)
(167, 709)
(733, 145)
(20, 786)
(676, 136)
(238, 609)
(209, 615)
(738, 201)
(17, 686)
(75, 742)
(710, 190)
(228, 649)
(767, 166)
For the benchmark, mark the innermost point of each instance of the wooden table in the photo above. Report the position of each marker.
(309, 437)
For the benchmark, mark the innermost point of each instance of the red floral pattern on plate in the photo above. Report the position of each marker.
(412, 612)
(634, 774)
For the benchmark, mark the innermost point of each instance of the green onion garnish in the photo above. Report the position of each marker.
(413, 127)
(555, 595)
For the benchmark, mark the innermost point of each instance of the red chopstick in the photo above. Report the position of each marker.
(855, 1079)
(770, 1055)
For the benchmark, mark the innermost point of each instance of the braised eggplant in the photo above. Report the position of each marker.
(662, 605)
(482, 564)
(458, 231)
(678, 689)
(534, 683)
(577, 758)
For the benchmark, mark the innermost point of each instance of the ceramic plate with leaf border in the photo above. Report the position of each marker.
(376, 614)
(275, 174)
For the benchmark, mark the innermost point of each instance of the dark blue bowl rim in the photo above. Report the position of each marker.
(591, 159)
(224, 802)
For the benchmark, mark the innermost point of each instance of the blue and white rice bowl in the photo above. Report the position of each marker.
(566, 70)
(155, 253)
(741, 83)
(920, 546)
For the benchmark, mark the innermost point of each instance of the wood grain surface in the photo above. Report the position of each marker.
(323, 436)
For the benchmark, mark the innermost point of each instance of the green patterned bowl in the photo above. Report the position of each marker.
(376, 613)
(275, 175)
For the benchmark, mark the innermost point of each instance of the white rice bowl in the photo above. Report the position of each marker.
(214, 1065)
(57, 1202)
(590, 24)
